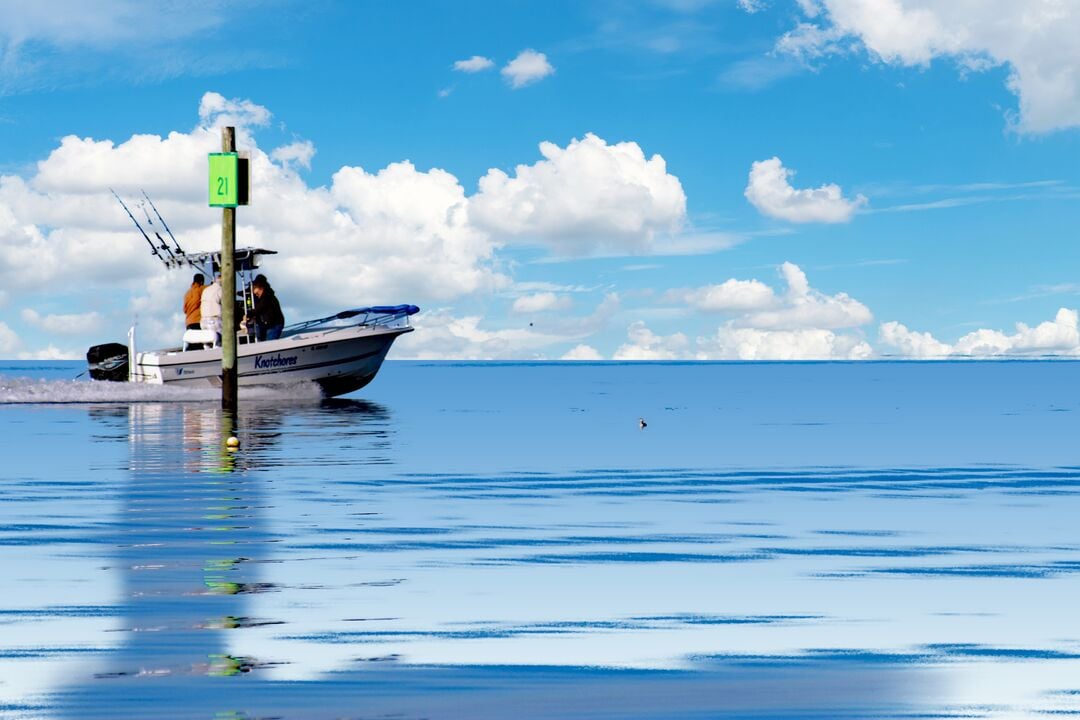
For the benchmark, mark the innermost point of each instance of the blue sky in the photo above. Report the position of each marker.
(718, 179)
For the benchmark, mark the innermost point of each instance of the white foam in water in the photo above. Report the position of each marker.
(35, 391)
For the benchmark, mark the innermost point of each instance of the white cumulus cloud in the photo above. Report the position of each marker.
(441, 335)
(1033, 39)
(541, 302)
(216, 111)
(299, 153)
(51, 352)
(527, 68)
(804, 307)
(400, 231)
(582, 352)
(169, 166)
(587, 198)
(644, 344)
(1060, 336)
(909, 343)
(73, 324)
(734, 343)
(757, 305)
(797, 323)
(769, 190)
(9, 340)
(475, 64)
(393, 235)
(752, 6)
(802, 344)
(1057, 336)
(732, 295)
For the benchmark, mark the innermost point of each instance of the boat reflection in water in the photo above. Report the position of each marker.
(194, 534)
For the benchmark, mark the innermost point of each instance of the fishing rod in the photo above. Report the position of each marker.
(163, 246)
(153, 248)
(179, 250)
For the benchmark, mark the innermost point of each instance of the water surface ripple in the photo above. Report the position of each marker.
(487, 541)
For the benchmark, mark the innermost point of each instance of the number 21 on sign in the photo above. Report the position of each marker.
(224, 179)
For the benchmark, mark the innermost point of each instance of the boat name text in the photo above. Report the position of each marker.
(266, 362)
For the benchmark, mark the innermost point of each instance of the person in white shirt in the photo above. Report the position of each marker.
(210, 308)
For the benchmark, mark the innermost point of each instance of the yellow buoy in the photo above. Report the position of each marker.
(233, 442)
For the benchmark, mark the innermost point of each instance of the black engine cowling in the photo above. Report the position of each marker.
(108, 362)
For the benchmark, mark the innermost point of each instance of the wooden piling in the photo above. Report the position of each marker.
(228, 291)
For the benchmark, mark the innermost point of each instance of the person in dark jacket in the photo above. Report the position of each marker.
(267, 316)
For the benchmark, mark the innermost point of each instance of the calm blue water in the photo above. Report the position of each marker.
(831, 540)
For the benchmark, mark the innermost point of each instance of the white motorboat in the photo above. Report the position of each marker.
(340, 353)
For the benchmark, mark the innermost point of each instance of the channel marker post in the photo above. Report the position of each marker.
(228, 189)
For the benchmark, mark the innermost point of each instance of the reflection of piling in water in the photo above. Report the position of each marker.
(201, 519)
(187, 528)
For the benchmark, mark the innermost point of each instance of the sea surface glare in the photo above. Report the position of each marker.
(807, 540)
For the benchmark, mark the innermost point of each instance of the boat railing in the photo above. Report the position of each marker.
(375, 316)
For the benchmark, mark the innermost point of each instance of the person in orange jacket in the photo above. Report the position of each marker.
(193, 301)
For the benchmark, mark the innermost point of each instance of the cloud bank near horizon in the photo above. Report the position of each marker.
(74, 270)
(402, 232)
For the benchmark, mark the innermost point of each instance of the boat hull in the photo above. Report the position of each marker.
(340, 361)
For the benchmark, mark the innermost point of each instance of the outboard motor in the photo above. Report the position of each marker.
(108, 362)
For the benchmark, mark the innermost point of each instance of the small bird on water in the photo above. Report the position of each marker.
(642, 424)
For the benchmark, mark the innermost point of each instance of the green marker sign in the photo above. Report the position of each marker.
(224, 180)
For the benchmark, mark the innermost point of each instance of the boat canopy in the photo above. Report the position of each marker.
(374, 315)
(381, 310)
(244, 259)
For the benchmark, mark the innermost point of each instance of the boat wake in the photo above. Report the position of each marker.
(28, 391)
